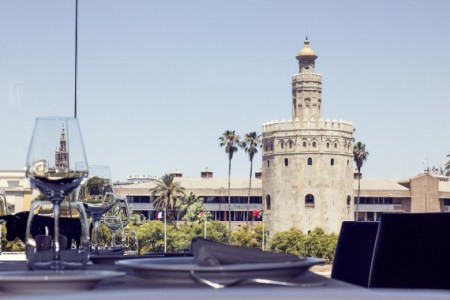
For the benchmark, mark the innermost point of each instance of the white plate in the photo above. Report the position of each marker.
(31, 282)
(177, 269)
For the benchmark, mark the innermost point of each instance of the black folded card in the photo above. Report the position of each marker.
(210, 253)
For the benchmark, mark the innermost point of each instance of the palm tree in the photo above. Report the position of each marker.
(229, 140)
(167, 193)
(447, 166)
(359, 156)
(251, 143)
(190, 206)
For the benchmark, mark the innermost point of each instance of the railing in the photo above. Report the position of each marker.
(379, 207)
(209, 206)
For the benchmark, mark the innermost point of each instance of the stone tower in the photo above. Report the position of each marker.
(307, 161)
(61, 155)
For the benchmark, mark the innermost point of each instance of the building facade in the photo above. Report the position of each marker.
(17, 190)
(307, 171)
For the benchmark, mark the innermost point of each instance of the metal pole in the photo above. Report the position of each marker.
(204, 229)
(262, 217)
(165, 232)
(76, 56)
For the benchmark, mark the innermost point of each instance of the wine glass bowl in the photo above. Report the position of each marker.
(56, 173)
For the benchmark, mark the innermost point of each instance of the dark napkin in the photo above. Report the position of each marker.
(210, 253)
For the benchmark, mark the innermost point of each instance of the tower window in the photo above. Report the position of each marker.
(349, 200)
(291, 143)
(328, 145)
(309, 161)
(286, 162)
(335, 145)
(332, 162)
(309, 200)
(314, 144)
(268, 202)
(282, 145)
(304, 144)
(268, 163)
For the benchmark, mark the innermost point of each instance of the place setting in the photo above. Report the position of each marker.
(56, 234)
(220, 265)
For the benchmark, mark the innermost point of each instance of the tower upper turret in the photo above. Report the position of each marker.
(307, 87)
(306, 58)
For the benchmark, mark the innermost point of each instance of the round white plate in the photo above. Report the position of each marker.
(30, 282)
(177, 269)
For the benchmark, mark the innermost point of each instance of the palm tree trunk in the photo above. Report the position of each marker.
(249, 188)
(229, 197)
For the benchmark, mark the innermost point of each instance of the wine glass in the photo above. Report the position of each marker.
(131, 243)
(97, 194)
(56, 164)
(114, 223)
(4, 211)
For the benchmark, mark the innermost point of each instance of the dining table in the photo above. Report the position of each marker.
(132, 286)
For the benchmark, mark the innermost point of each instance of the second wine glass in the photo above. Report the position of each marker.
(97, 194)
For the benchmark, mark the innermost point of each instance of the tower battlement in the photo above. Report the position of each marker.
(296, 124)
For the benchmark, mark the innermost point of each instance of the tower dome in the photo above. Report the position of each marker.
(306, 51)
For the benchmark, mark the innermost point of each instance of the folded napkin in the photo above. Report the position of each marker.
(210, 253)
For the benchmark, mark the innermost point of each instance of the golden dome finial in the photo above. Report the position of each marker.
(306, 51)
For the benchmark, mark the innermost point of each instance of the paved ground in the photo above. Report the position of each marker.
(324, 270)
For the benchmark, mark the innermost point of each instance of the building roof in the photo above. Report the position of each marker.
(379, 184)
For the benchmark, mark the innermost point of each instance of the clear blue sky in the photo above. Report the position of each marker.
(159, 81)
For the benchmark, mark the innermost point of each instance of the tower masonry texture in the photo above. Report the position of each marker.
(307, 171)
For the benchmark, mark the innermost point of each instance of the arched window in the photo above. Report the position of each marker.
(314, 144)
(349, 200)
(304, 144)
(268, 163)
(328, 145)
(332, 162)
(309, 161)
(282, 145)
(268, 202)
(335, 145)
(286, 162)
(309, 200)
(291, 143)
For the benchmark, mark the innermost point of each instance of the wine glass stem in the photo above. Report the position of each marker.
(56, 249)
(113, 241)
(96, 223)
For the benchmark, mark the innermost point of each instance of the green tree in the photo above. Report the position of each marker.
(167, 192)
(245, 237)
(229, 140)
(291, 241)
(321, 245)
(359, 156)
(251, 143)
(258, 229)
(189, 208)
(151, 237)
(215, 231)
